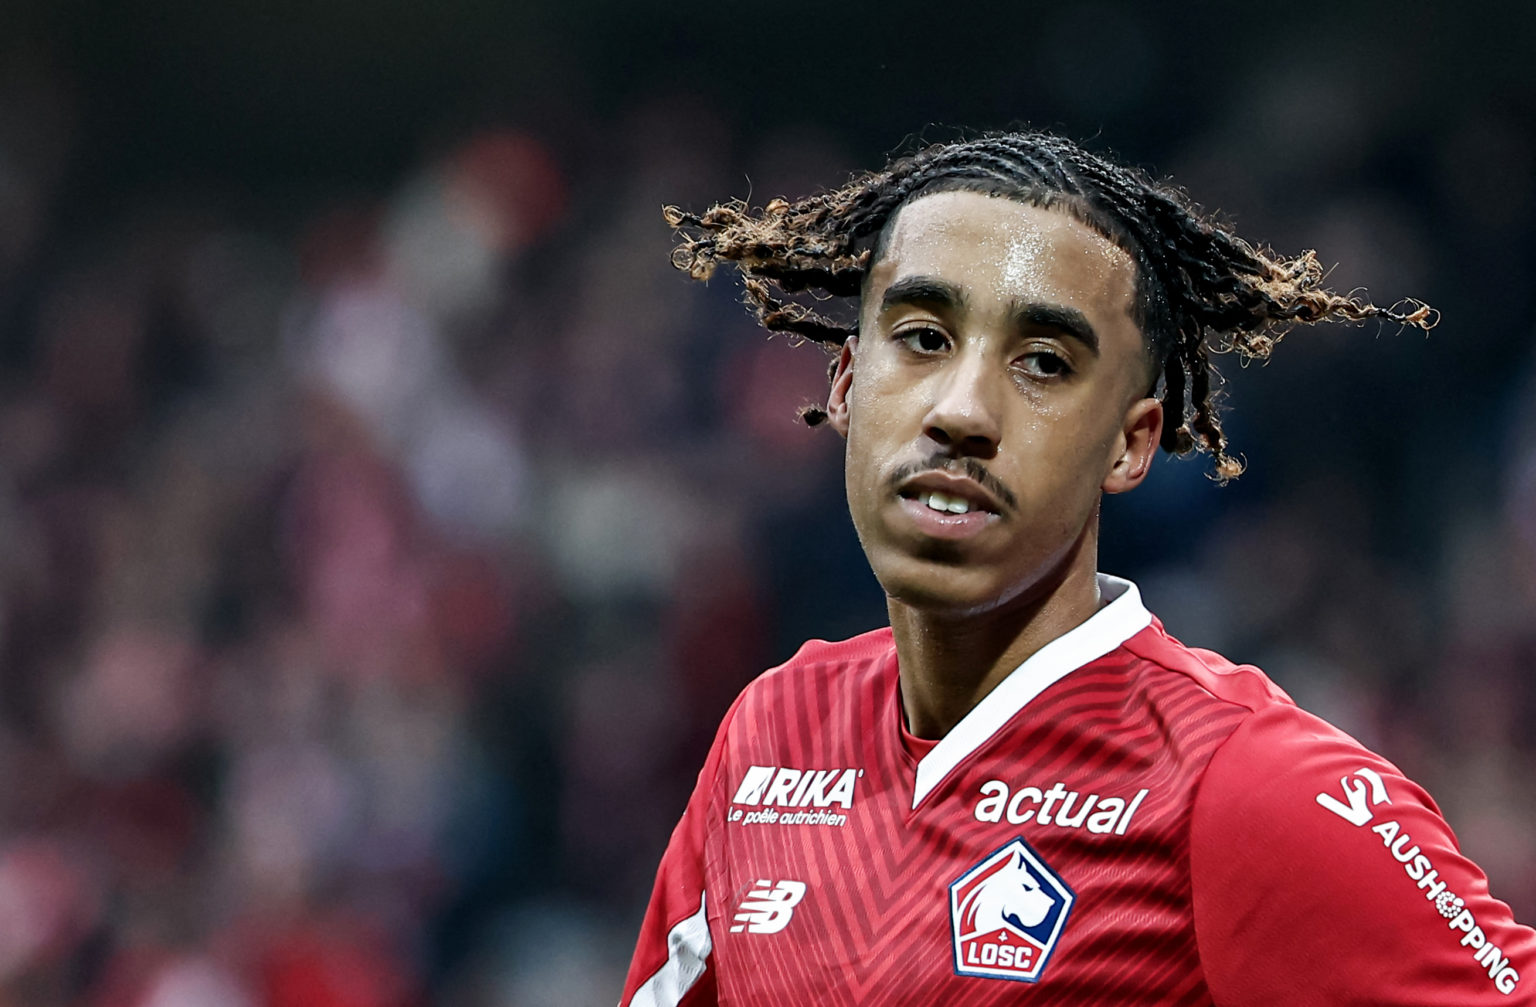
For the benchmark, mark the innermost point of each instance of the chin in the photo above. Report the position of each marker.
(943, 589)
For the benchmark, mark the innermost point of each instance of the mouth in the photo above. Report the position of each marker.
(940, 505)
(945, 493)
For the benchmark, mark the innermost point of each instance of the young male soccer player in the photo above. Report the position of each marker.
(1024, 790)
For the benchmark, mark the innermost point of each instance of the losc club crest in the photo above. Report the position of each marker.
(1007, 913)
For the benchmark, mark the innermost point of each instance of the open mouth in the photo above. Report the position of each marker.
(940, 515)
(942, 503)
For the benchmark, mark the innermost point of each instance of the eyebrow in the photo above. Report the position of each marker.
(1067, 321)
(922, 290)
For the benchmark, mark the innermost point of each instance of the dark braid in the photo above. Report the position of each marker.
(1200, 289)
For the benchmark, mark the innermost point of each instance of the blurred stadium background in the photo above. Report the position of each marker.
(384, 525)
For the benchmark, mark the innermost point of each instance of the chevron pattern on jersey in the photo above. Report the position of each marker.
(874, 924)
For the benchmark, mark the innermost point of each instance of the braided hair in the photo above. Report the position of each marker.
(1199, 289)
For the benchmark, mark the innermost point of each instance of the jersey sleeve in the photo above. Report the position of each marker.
(1321, 875)
(673, 964)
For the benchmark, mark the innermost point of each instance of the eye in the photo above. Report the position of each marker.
(924, 339)
(1045, 364)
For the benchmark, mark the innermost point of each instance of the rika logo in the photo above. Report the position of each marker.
(1007, 913)
(805, 794)
(794, 788)
(768, 907)
(1362, 788)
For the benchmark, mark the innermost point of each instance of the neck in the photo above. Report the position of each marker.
(949, 662)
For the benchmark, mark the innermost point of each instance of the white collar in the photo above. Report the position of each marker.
(1121, 617)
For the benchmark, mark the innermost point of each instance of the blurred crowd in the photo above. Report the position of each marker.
(370, 588)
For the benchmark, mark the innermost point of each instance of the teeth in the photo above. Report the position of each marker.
(945, 504)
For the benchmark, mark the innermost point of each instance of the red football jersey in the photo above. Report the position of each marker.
(1122, 820)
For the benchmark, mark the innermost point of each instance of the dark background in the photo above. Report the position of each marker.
(384, 525)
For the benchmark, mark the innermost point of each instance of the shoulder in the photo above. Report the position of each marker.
(1316, 864)
(1270, 751)
(1238, 685)
(789, 705)
(1280, 784)
(877, 643)
(822, 664)
(1275, 774)
(1187, 702)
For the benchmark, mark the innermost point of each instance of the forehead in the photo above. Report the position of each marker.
(999, 249)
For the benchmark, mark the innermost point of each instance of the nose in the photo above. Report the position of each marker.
(964, 415)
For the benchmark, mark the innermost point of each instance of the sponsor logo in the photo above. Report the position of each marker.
(768, 907)
(1364, 789)
(1007, 913)
(1058, 806)
(1366, 786)
(805, 794)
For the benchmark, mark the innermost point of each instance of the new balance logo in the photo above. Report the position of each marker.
(768, 907)
(771, 786)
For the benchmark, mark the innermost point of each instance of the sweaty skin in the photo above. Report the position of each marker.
(965, 379)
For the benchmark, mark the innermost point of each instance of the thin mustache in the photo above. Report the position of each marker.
(957, 466)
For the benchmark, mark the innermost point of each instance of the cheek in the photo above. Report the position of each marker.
(879, 404)
(1051, 429)
(862, 449)
(1062, 448)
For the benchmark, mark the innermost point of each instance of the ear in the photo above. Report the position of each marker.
(1137, 442)
(842, 380)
